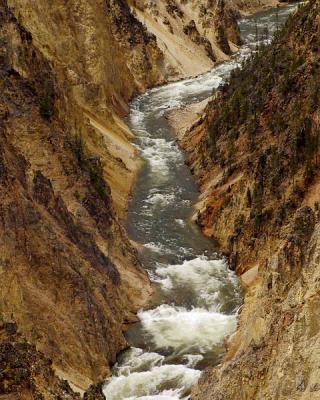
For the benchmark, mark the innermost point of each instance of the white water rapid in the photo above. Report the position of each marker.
(197, 297)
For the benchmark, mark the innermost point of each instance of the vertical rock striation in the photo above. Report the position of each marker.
(192, 35)
(70, 278)
(256, 157)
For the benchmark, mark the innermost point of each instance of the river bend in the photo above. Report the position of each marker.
(197, 296)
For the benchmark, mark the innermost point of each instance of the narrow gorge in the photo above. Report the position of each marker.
(118, 280)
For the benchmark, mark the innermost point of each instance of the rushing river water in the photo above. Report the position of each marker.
(197, 296)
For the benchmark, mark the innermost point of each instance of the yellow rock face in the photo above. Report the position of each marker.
(69, 275)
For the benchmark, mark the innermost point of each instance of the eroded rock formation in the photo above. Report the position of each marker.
(70, 279)
(256, 157)
(194, 34)
(191, 34)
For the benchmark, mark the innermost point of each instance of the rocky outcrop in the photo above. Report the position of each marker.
(25, 372)
(255, 155)
(69, 278)
(145, 58)
(191, 30)
(192, 35)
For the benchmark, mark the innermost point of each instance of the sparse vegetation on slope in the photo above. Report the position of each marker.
(262, 131)
(256, 156)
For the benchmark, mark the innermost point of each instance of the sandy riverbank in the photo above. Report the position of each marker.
(182, 119)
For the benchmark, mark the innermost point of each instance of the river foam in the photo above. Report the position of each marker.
(144, 376)
(162, 199)
(204, 280)
(197, 297)
(186, 331)
(159, 153)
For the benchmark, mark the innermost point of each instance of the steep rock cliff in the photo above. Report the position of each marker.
(256, 155)
(25, 372)
(70, 279)
(194, 34)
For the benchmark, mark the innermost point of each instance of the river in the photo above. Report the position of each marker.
(197, 297)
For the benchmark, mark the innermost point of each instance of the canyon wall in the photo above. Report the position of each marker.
(255, 154)
(25, 372)
(70, 278)
(195, 34)
(192, 35)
